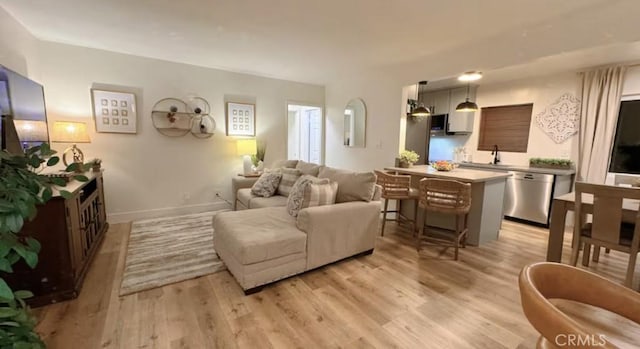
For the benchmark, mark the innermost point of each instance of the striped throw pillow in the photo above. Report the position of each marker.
(296, 197)
(289, 178)
(319, 194)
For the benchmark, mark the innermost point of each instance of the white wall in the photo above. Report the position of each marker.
(542, 92)
(381, 96)
(17, 45)
(631, 84)
(148, 174)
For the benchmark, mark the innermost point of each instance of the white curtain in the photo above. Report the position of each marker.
(601, 92)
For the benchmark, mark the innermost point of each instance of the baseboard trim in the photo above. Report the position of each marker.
(126, 217)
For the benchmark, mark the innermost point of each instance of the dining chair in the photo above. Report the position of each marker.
(540, 282)
(606, 228)
(445, 197)
(396, 187)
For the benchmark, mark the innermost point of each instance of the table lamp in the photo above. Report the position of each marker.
(31, 132)
(246, 148)
(71, 132)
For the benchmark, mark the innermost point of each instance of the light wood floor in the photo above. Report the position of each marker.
(392, 298)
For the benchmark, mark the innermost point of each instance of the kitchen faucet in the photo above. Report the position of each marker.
(496, 158)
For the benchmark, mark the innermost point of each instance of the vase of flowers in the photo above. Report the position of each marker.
(407, 158)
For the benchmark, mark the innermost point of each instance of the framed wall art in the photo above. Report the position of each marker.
(241, 119)
(114, 112)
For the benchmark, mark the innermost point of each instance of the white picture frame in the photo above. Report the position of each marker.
(114, 112)
(241, 119)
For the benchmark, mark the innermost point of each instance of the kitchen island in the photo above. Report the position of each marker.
(487, 200)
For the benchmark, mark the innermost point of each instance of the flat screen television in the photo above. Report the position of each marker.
(22, 99)
(625, 155)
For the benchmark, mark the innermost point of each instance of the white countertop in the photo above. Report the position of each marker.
(460, 174)
(501, 167)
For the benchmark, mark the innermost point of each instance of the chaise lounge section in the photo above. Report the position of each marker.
(261, 245)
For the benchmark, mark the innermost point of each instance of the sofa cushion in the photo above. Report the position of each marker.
(308, 168)
(289, 178)
(352, 186)
(274, 201)
(267, 184)
(249, 200)
(254, 236)
(285, 163)
(296, 196)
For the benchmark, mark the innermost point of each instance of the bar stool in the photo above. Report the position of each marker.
(396, 187)
(445, 197)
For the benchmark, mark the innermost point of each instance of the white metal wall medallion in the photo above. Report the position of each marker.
(560, 120)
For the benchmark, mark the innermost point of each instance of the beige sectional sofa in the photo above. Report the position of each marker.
(261, 243)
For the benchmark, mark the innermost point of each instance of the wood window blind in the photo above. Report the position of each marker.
(505, 126)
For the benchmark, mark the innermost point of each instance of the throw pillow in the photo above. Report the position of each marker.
(352, 186)
(289, 178)
(296, 196)
(267, 184)
(320, 194)
(308, 168)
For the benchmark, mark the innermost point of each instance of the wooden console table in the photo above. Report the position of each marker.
(70, 232)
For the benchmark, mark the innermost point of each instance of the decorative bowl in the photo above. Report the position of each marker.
(443, 165)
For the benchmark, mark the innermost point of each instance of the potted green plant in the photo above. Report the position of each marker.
(562, 164)
(407, 158)
(258, 158)
(21, 191)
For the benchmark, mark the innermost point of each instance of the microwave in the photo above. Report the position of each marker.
(439, 124)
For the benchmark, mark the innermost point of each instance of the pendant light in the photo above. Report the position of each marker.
(421, 110)
(467, 106)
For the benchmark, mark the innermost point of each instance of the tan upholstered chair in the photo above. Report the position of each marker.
(607, 228)
(446, 197)
(540, 282)
(396, 187)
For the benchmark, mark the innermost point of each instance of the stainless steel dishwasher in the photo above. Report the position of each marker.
(528, 196)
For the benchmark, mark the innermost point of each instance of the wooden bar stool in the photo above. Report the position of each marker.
(446, 197)
(396, 187)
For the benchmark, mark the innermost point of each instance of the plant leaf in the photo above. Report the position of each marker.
(73, 167)
(34, 244)
(23, 294)
(30, 257)
(14, 222)
(81, 178)
(5, 265)
(58, 181)
(66, 194)
(53, 161)
(5, 291)
(8, 312)
(47, 193)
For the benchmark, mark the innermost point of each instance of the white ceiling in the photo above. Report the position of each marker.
(317, 41)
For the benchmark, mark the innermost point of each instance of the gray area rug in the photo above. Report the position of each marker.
(162, 251)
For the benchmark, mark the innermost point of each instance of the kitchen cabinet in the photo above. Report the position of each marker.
(460, 122)
(437, 101)
(441, 101)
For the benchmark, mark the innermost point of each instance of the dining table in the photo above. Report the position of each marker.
(565, 203)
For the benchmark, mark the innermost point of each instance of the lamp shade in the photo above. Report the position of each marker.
(247, 146)
(467, 106)
(421, 111)
(31, 130)
(70, 132)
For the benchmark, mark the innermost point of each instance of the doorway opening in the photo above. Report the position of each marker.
(304, 133)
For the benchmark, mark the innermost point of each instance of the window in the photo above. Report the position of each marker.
(625, 155)
(505, 126)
